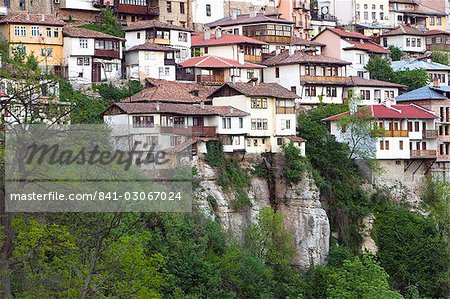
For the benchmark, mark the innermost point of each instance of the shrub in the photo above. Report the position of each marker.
(296, 164)
(214, 153)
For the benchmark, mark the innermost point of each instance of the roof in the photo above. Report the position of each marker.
(141, 25)
(259, 90)
(367, 46)
(70, 31)
(225, 39)
(246, 19)
(423, 93)
(180, 109)
(209, 61)
(418, 64)
(38, 19)
(403, 30)
(152, 47)
(172, 91)
(300, 57)
(298, 41)
(358, 81)
(410, 111)
(436, 32)
(345, 34)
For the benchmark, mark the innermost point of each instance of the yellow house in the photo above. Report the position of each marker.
(40, 35)
(437, 22)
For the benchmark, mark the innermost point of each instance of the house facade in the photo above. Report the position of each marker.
(438, 73)
(371, 92)
(299, 13)
(416, 13)
(206, 11)
(437, 40)
(314, 78)
(91, 56)
(409, 39)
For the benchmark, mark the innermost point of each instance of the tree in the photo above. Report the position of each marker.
(396, 53)
(412, 79)
(109, 24)
(295, 165)
(360, 278)
(380, 69)
(440, 57)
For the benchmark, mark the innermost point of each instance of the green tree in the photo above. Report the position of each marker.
(412, 79)
(380, 69)
(108, 24)
(296, 164)
(396, 53)
(440, 57)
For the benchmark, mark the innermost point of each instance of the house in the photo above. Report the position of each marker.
(214, 69)
(336, 11)
(206, 11)
(150, 61)
(91, 56)
(156, 32)
(439, 5)
(80, 10)
(33, 7)
(417, 14)
(228, 46)
(371, 92)
(350, 46)
(436, 99)
(298, 13)
(40, 35)
(272, 117)
(407, 148)
(437, 40)
(276, 32)
(409, 39)
(438, 73)
(299, 43)
(314, 78)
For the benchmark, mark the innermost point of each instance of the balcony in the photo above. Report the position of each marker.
(327, 80)
(209, 131)
(285, 110)
(169, 61)
(324, 18)
(211, 78)
(299, 4)
(429, 134)
(159, 41)
(253, 58)
(423, 154)
(273, 38)
(107, 53)
(133, 9)
(396, 133)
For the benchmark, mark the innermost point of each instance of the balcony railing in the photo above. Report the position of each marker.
(285, 110)
(273, 38)
(253, 58)
(429, 134)
(107, 53)
(160, 41)
(209, 131)
(324, 80)
(423, 154)
(396, 133)
(211, 78)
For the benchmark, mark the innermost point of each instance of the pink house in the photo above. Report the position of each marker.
(297, 11)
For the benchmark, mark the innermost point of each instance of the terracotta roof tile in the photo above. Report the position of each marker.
(226, 39)
(38, 19)
(246, 19)
(304, 42)
(348, 34)
(153, 24)
(260, 90)
(152, 47)
(70, 31)
(403, 30)
(436, 32)
(209, 61)
(358, 81)
(300, 57)
(367, 46)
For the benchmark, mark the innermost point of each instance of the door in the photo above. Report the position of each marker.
(96, 72)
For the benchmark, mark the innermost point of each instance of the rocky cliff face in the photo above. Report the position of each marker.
(299, 204)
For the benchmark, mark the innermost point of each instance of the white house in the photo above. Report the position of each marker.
(409, 39)
(314, 78)
(371, 92)
(153, 31)
(150, 61)
(91, 56)
(439, 73)
(206, 11)
(272, 117)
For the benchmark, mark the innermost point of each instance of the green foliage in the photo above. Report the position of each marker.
(214, 153)
(412, 79)
(212, 202)
(396, 53)
(412, 251)
(441, 57)
(112, 93)
(109, 24)
(296, 164)
(380, 69)
(261, 171)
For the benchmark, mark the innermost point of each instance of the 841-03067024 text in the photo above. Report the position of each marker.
(100, 195)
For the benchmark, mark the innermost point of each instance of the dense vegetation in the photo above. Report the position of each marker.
(108, 24)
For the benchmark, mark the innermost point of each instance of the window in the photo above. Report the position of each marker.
(138, 35)
(175, 140)
(83, 43)
(408, 42)
(366, 6)
(35, 31)
(206, 50)
(381, 6)
(360, 58)
(55, 32)
(416, 126)
(277, 72)
(419, 42)
(208, 10)
(182, 11)
(151, 140)
(365, 95)
(331, 92)
(86, 61)
(241, 122)
(381, 145)
(22, 5)
(294, 89)
(287, 124)
(413, 42)
(259, 103)
(236, 32)
(377, 95)
(400, 144)
(166, 71)
(48, 31)
(386, 144)
(366, 15)
(79, 61)
(374, 15)
(310, 91)
(358, 15)
(381, 15)
(47, 52)
(259, 124)
(226, 123)
(439, 21)
(169, 6)
(20, 31)
(250, 73)
(374, 7)
(279, 141)
(143, 122)
(431, 21)
(108, 67)
(182, 37)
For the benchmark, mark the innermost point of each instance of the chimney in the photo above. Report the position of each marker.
(241, 57)
(231, 110)
(28, 17)
(43, 18)
(253, 81)
(202, 104)
(218, 33)
(278, 51)
(291, 50)
(207, 35)
(252, 12)
(157, 106)
(234, 15)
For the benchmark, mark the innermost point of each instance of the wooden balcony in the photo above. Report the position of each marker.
(169, 62)
(253, 58)
(327, 80)
(211, 78)
(423, 154)
(209, 131)
(396, 133)
(429, 134)
(273, 38)
(285, 110)
(159, 41)
(141, 10)
(107, 53)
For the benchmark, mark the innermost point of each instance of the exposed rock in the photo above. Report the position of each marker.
(368, 242)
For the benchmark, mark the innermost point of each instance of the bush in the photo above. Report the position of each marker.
(296, 164)
(113, 94)
(261, 171)
(214, 153)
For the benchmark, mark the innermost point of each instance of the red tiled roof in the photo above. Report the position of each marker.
(225, 39)
(70, 31)
(300, 57)
(298, 41)
(38, 19)
(141, 25)
(358, 81)
(347, 34)
(172, 91)
(246, 19)
(437, 32)
(410, 111)
(259, 90)
(209, 61)
(403, 30)
(152, 47)
(367, 46)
